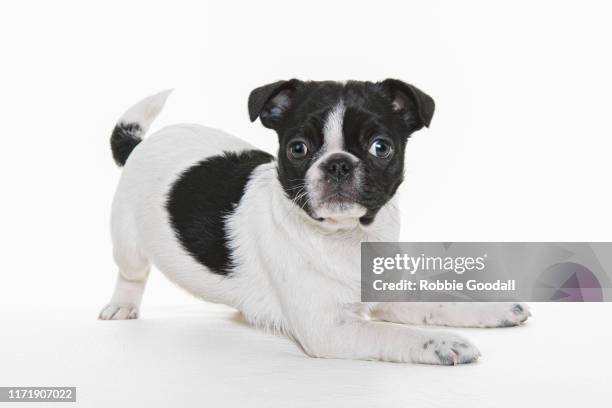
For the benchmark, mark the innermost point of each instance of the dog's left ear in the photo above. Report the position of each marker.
(271, 102)
(415, 106)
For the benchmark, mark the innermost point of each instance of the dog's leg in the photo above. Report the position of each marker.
(349, 335)
(131, 280)
(454, 314)
(125, 302)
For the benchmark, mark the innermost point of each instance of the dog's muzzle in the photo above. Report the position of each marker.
(335, 189)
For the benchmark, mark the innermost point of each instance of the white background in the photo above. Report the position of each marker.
(519, 147)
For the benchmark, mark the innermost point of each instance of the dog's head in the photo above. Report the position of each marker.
(341, 152)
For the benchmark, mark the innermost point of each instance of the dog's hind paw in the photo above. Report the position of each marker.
(118, 312)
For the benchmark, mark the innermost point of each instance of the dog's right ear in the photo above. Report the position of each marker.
(270, 102)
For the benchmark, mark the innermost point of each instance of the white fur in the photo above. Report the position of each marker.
(294, 275)
(333, 136)
(145, 111)
(454, 314)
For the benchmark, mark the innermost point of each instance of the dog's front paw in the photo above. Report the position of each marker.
(509, 314)
(444, 349)
(118, 312)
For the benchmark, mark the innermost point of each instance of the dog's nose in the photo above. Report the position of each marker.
(338, 166)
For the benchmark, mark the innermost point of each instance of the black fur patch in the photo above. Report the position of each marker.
(124, 139)
(203, 196)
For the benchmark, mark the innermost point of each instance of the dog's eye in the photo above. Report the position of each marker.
(381, 149)
(298, 150)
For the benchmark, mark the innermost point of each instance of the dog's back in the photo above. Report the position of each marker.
(141, 226)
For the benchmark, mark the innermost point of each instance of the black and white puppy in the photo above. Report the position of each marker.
(279, 238)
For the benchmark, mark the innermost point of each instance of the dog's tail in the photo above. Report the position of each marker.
(133, 125)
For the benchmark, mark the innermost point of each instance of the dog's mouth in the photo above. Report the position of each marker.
(337, 193)
(339, 197)
(338, 203)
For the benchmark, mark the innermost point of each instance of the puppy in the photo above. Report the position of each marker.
(278, 238)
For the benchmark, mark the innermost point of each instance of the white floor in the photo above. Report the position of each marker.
(205, 356)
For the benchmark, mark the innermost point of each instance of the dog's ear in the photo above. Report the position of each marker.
(415, 106)
(271, 102)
